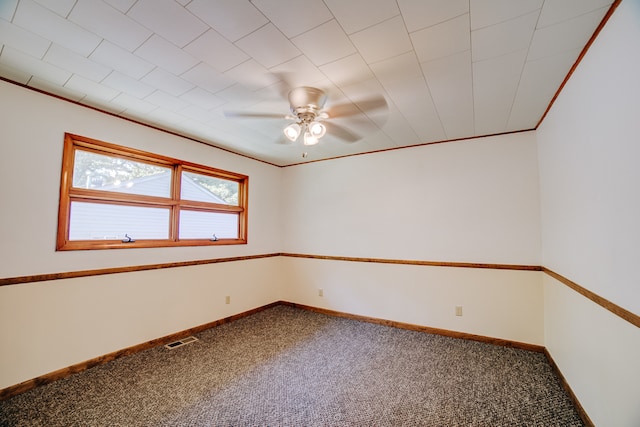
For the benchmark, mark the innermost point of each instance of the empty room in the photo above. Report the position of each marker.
(320, 212)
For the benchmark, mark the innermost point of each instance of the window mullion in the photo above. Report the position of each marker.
(176, 183)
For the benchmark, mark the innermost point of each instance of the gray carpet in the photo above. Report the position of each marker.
(290, 367)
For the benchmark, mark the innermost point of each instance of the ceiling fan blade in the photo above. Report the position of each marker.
(341, 132)
(357, 107)
(251, 115)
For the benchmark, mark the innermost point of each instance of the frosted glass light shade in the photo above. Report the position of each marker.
(317, 129)
(310, 139)
(292, 131)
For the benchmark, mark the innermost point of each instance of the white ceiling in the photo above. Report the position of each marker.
(447, 69)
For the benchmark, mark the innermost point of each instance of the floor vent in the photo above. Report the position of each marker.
(181, 342)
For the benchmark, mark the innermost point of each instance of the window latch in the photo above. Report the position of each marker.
(128, 239)
(214, 238)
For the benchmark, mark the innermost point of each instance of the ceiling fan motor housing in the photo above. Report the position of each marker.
(306, 102)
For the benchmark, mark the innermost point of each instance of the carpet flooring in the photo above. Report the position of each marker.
(286, 366)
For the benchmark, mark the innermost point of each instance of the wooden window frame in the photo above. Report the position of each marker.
(174, 203)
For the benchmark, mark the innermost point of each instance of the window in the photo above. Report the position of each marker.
(118, 197)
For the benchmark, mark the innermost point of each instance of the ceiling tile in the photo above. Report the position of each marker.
(232, 18)
(356, 15)
(540, 81)
(18, 38)
(33, 17)
(109, 23)
(378, 140)
(132, 104)
(198, 58)
(205, 76)
(506, 37)
(197, 113)
(91, 88)
(398, 128)
(568, 35)
(495, 82)
(102, 105)
(451, 86)
(166, 101)
(7, 9)
(167, 82)
(216, 51)
(121, 60)
(129, 85)
(162, 53)
(413, 99)
(397, 69)
(202, 98)
(268, 46)
(368, 95)
(237, 96)
(419, 14)
(294, 17)
(325, 43)
(485, 13)
(555, 11)
(447, 38)
(49, 87)
(270, 104)
(382, 41)
(299, 72)
(14, 74)
(164, 118)
(122, 5)
(347, 70)
(168, 19)
(76, 63)
(61, 7)
(21, 61)
(426, 124)
(333, 145)
(252, 75)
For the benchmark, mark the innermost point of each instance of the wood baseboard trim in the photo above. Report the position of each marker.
(420, 328)
(83, 366)
(583, 414)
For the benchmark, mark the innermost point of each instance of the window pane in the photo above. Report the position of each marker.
(204, 188)
(100, 172)
(203, 225)
(101, 221)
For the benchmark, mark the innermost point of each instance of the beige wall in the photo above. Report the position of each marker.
(51, 325)
(496, 303)
(447, 202)
(465, 201)
(590, 182)
(46, 326)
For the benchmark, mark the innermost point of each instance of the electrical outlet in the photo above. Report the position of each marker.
(458, 310)
(227, 299)
(320, 292)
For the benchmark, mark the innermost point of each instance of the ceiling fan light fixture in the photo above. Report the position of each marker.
(310, 139)
(317, 129)
(292, 132)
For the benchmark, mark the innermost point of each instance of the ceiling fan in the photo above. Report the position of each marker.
(309, 115)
